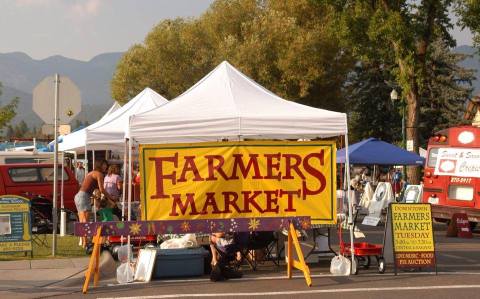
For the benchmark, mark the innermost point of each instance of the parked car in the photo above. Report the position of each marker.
(35, 181)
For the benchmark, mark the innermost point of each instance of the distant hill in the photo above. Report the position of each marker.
(19, 74)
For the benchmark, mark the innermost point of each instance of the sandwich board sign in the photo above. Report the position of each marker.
(412, 235)
(15, 224)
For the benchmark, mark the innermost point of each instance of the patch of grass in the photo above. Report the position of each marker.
(67, 246)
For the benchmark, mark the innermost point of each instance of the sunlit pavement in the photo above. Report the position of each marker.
(458, 277)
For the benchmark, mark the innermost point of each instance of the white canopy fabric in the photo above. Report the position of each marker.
(77, 139)
(109, 131)
(112, 109)
(226, 104)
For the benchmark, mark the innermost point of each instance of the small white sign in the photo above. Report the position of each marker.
(458, 162)
(371, 220)
(62, 129)
(410, 145)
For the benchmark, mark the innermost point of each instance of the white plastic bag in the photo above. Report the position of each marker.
(187, 241)
(123, 255)
(125, 273)
(340, 266)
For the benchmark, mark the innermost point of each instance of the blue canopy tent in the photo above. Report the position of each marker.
(372, 151)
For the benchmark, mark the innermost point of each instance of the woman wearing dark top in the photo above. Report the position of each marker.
(93, 180)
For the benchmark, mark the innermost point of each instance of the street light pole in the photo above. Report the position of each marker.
(394, 97)
(404, 143)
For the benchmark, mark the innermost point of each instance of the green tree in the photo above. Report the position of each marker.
(287, 46)
(469, 12)
(370, 110)
(399, 33)
(448, 87)
(21, 130)
(7, 112)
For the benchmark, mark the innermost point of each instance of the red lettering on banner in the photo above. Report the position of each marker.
(238, 163)
(289, 166)
(210, 201)
(250, 200)
(218, 168)
(272, 199)
(160, 176)
(177, 202)
(315, 173)
(290, 195)
(271, 166)
(230, 199)
(190, 166)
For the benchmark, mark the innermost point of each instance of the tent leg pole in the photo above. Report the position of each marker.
(350, 203)
(94, 203)
(129, 188)
(124, 191)
(85, 160)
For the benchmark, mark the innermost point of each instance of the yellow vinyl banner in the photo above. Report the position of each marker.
(247, 179)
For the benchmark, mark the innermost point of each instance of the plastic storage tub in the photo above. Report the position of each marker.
(179, 262)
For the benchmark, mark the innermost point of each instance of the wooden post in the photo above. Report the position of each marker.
(289, 254)
(93, 265)
(300, 264)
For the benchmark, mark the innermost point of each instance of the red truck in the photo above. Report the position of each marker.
(35, 181)
(451, 194)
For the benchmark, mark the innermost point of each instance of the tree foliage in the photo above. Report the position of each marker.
(469, 12)
(7, 111)
(448, 87)
(371, 113)
(289, 47)
(400, 34)
(334, 54)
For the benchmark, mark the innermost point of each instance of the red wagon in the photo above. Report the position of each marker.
(363, 252)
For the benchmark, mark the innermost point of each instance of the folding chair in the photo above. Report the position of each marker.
(258, 241)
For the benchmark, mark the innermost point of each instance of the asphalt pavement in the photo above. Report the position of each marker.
(458, 262)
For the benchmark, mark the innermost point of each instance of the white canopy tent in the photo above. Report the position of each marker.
(226, 104)
(109, 131)
(112, 109)
(76, 139)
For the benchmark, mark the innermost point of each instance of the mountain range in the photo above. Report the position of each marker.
(19, 74)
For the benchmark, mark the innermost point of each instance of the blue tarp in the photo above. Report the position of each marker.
(376, 152)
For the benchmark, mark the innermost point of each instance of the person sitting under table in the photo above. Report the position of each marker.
(225, 247)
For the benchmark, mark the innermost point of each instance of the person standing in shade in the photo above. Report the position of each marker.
(80, 173)
(113, 182)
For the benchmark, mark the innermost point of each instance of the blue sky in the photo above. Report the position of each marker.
(81, 29)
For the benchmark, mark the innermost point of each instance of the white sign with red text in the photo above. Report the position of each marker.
(459, 162)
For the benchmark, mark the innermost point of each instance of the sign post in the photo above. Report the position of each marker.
(67, 104)
(412, 235)
(55, 170)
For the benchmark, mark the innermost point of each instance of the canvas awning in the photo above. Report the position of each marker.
(376, 152)
(226, 104)
(109, 131)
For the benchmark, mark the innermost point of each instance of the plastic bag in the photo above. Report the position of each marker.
(125, 273)
(187, 241)
(122, 253)
(340, 266)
